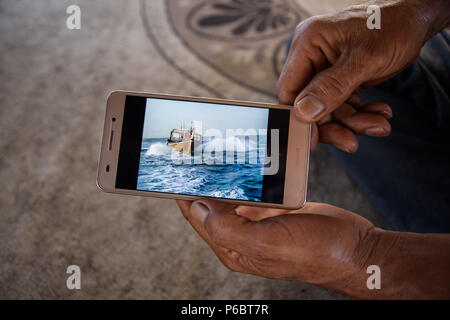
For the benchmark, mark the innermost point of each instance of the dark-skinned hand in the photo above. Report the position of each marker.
(332, 57)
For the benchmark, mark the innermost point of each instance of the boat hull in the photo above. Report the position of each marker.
(182, 147)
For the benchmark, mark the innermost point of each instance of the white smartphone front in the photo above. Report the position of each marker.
(190, 148)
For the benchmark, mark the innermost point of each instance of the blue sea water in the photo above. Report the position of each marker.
(242, 181)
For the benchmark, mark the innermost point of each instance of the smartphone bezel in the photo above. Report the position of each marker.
(297, 160)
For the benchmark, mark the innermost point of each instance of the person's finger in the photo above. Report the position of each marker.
(314, 137)
(184, 205)
(323, 209)
(353, 100)
(362, 123)
(307, 56)
(339, 136)
(186, 208)
(200, 211)
(232, 259)
(377, 107)
(296, 72)
(259, 213)
(327, 91)
(229, 230)
(194, 213)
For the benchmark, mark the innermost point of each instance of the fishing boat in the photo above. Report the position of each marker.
(184, 140)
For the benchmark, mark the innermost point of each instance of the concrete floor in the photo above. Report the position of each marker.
(53, 87)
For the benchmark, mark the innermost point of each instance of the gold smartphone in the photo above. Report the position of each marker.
(188, 148)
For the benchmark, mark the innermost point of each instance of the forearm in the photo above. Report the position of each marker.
(413, 266)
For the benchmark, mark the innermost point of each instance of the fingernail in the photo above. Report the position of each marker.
(309, 108)
(376, 132)
(348, 149)
(199, 211)
(387, 114)
(344, 148)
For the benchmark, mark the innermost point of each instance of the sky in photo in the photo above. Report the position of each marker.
(161, 116)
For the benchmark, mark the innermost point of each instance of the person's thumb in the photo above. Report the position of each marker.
(326, 91)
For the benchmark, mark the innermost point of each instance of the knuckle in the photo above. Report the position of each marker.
(308, 32)
(303, 29)
(312, 25)
(318, 23)
(229, 265)
(333, 86)
(229, 260)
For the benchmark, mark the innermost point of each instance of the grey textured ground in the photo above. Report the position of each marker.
(53, 88)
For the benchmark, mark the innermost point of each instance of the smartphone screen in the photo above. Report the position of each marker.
(203, 149)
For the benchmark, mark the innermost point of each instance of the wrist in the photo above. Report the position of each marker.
(433, 15)
(373, 247)
(382, 249)
(411, 265)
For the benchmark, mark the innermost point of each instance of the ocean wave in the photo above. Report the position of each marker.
(158, 149)
(204, 174)
(230, 144)
(233, 193)
(209, 153)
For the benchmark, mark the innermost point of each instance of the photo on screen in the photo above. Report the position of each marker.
(203, 149)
